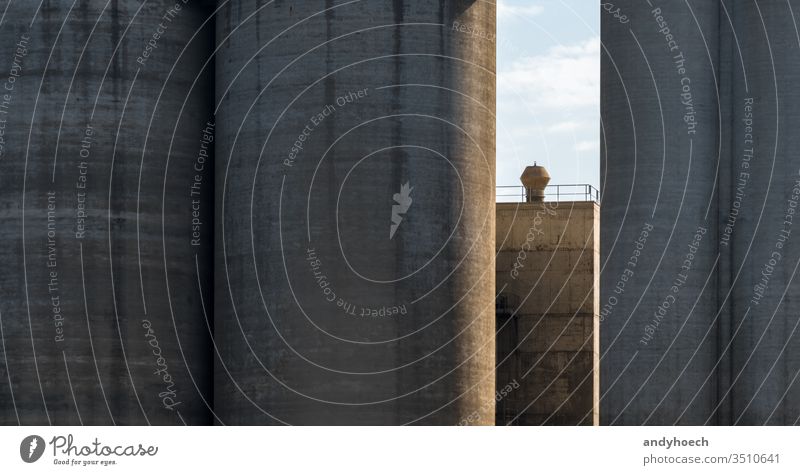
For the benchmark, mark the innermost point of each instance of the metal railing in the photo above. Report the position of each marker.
(569, 192)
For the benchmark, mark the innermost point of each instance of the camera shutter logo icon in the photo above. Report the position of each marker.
(31, 448)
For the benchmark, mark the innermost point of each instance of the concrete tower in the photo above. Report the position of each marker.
(701, 186)
(548, 270)
(660, 159)
(355, 203)
(759, 223)
(101, 317)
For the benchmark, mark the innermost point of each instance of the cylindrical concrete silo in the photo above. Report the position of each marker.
(659, 111)
(762, 216)
(355, 202)
(100, 180)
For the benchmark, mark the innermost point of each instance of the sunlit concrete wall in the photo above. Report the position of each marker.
(547, 313)
(325, 313)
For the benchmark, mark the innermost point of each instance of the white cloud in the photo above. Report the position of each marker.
(548, 106)
(565, 76)
(587, 146)
(506, 11)
(566, 126)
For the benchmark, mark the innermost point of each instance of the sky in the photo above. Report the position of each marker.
(548, 89)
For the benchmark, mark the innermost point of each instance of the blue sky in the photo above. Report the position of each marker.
(548, 89)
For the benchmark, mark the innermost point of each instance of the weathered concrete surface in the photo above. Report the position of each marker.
(97, 216)
(548, 269)
(659, 211)
(764, 247)
(733, 360)
(304, 246)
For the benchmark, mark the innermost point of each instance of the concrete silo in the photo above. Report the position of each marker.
(102, 321)
(729, 359)
(355, 209)
(660, 159)
(760, 222)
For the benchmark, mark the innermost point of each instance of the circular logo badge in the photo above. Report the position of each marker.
(31, 448)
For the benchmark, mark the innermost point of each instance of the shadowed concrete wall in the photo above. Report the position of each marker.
(760, 216)
(102, 321)
(733, 360)
(548, 268)
(325, 314)
(659, 111)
